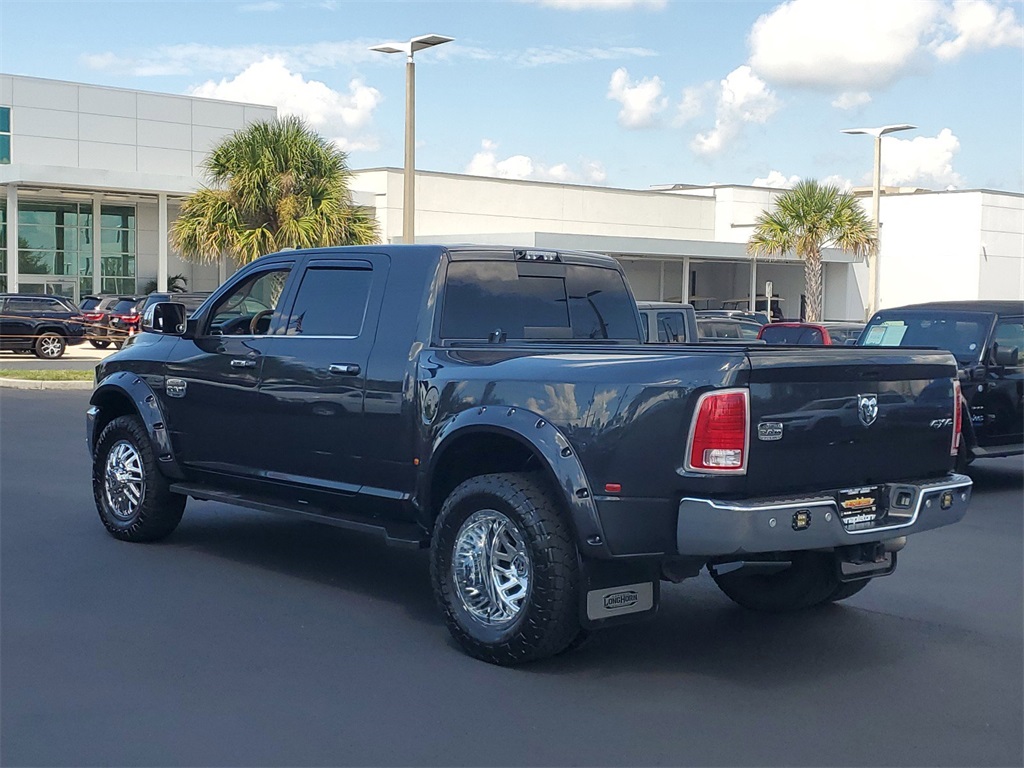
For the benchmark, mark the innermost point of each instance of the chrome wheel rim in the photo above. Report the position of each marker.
(491, 567)
(124, 480)
(50, 346)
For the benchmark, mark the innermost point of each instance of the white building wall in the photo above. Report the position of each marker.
(55, 123)
(930, 248)
(125, 144)
(1001, 262)
(452, 204)
(737, 209)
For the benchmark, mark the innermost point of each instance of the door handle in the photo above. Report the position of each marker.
(237, 363)
(344, 369)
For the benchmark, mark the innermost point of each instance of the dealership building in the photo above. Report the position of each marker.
(92, 178)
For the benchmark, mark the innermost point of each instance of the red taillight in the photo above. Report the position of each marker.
(718, 437)
(958, 420)
(92, 317)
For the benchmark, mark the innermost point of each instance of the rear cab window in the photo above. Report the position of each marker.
(504, 300)
(671, 327)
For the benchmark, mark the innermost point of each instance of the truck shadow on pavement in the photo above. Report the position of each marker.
(697, 631)
(348, 560)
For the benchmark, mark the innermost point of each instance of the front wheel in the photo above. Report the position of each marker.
(49, 346)
(99, 344)
(504, 569)
(132, 496)
(809, 580)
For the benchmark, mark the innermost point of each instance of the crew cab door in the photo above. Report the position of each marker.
(311, 389)
(211, 379)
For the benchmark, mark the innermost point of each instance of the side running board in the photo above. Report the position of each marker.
(396, 534)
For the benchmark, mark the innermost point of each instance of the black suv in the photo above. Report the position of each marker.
(987, 340)
(45, 325)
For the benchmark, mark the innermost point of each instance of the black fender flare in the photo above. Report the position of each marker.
(546, 441)
(134, 388)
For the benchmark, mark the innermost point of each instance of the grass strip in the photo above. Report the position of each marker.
(54, 375)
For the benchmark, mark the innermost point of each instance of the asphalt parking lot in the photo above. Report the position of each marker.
(80, 357)
(249, 639)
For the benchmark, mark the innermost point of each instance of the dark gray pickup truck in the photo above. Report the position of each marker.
(498, 406)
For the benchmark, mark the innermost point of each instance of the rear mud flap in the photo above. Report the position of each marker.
(618, 592)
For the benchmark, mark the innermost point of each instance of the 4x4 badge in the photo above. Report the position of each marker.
(867, 409)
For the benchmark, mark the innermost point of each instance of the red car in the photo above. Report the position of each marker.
(811, 334)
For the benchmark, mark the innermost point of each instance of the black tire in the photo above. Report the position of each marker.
(158, 511)
(847, 589)
(547, 621)
(99, 344)
(49, 345)
(810, 580)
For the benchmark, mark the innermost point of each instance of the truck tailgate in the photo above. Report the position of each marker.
(839, 418)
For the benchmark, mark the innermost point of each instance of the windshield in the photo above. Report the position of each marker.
(88, 303)
(962, 333)
(123, 307)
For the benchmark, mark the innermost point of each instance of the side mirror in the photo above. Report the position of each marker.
(1006, 356)
(166, 317)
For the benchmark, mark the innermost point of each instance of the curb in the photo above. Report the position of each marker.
(33, 384)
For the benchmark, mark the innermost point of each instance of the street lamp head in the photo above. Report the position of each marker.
(410, 47)
(391, 48)
(880, 131)
(428, 41)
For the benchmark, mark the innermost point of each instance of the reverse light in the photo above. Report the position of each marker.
(958, 416)
(719, 434)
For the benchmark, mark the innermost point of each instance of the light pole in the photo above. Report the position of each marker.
(409, 47)
(876, 191)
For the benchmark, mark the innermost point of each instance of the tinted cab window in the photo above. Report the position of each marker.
(331, 302)
(503, 300)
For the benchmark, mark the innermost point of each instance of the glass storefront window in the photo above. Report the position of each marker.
(56, 238)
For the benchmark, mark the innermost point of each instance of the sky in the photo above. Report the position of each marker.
(618, 93)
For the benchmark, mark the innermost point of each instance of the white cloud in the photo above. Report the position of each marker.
(859, 45)
(691, 105)
(977, 25)
(840, 44)
(641, 102)
(744, 98)
(851, 100)
(835, 180)
(264, 7)
(776, 180)
(486, 163)
(189, 58)
(342, 117)
(921, 161)
(539, 57)
(192, 58)
(601, 5)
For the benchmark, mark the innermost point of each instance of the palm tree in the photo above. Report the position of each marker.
(807, 218)
(274, 184)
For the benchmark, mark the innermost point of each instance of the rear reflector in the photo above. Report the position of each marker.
(718, 436)
(958, 417)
